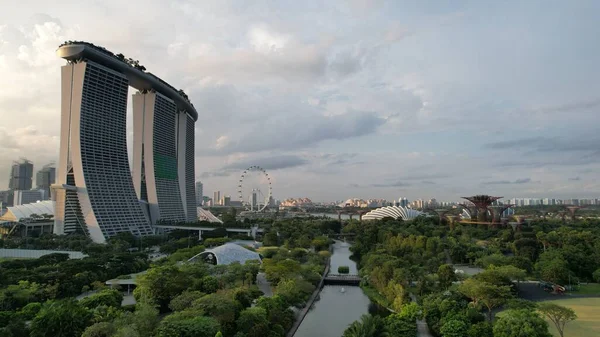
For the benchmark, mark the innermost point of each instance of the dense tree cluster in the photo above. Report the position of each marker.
(406, 267)
(397, 258)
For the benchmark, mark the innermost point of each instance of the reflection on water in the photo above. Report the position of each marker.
(341, 257)
(336, 309)
(332, 314)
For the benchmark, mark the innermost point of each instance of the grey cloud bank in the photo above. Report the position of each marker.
(440, 101)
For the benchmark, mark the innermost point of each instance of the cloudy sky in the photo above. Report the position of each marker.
(339, 99)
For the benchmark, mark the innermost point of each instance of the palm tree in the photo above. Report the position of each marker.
(368, 326)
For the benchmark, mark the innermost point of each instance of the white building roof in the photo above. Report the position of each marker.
(393, 212)
(16, 213)
(229, 253)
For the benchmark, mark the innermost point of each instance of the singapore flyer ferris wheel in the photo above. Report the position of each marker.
(254, 189)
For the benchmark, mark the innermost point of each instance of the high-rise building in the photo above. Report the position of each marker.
(7, 198)
(226, 201)
(21, 175)
(45, 178)
(22, 197)
(199, 193)
(216, 198)
(161, 172)
(95, 188)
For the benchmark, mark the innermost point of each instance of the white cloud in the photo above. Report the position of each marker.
(362, 77)
(266, 41)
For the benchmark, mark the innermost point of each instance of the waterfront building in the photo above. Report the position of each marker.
(94, 183)
(392, 212)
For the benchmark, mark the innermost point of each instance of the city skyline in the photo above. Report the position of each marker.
(387, 99)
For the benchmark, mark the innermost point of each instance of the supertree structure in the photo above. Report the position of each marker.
(497, 211)
(482, 202)
(572, 210)
(441, 212)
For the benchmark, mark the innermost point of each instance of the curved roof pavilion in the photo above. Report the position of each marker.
(227, 254)
(16, 213)
(392, 212)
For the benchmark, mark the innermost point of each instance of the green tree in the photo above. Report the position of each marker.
(161, 284)
(103, 313)
(219, 334)
(400, 326)
(210, 284)
(395, 293)
(108, 297)
(294, 291)
(278, 311)
(142, 322)
(16, 296)
(446, 276)
(184, 300)
(15, 328)
(503, 275)
(367, 326)
(519, 303)
(521, 323)
(64, 318)
(552, 267)
(253, 322)
(486, 294)
(320, 243)
(481, 329)
(596, 275)
(558, 314)
(30, 310)
(180, 326)
(411, 311)
(271, 239)
(222, 307)
(102, 329)
(454, 328)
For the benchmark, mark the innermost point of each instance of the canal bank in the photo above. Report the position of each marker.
(335, 306)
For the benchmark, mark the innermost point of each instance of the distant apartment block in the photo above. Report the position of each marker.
(22, 197)
(199, 193)
(45, 178)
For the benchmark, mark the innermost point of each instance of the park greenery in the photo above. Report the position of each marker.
(399, 260)
(174, 297)
(408, 267)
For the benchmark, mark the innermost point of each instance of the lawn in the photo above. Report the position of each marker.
(587, 323)
(588, 289)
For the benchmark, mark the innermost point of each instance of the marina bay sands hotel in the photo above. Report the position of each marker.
(96, 190)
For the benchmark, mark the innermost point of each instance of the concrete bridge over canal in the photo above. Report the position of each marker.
(340, 279)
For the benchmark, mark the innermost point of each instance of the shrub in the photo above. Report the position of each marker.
(343, 269)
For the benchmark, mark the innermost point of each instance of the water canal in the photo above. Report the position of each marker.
(336, 309)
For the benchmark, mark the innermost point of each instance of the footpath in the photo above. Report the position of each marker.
(309, 304)
(422, 328)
